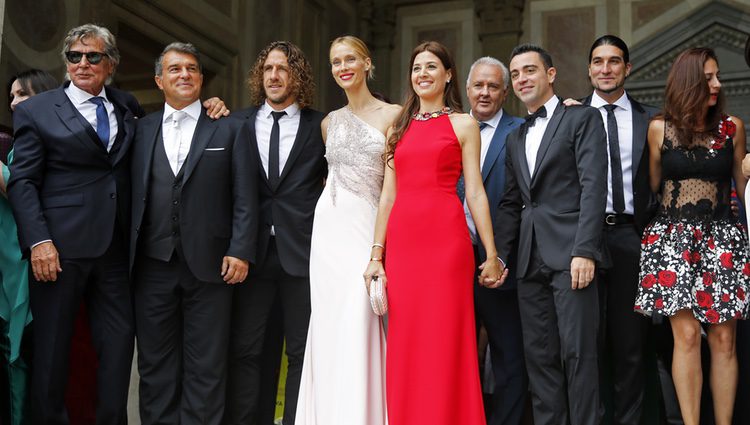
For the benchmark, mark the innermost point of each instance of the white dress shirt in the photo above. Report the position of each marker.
(288, 126)
(534, 134)
(80, 99)
(624, 117)
(178, 137)
(486, 135)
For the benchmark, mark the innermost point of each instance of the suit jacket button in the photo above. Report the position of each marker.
(174, 218)
(112, 195)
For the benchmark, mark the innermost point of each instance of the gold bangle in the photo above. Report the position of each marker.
(378, 259)
(378, 245)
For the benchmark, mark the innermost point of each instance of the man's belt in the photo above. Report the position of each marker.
(615, 219)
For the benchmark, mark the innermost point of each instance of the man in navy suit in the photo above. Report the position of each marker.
(70, 193)
(487, 89)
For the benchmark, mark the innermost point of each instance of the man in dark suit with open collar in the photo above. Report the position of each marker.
(286, 138)
(553, 207)
(70, 193)
(497, 309)
(630, 207)
(193, 235)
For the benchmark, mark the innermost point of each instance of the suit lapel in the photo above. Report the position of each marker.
(152, 137)
(640, 132)
(302, 135)
(125, 126)
(497, 144)
(77, 124)
(549, 134)
(521, 156)
(203, 132)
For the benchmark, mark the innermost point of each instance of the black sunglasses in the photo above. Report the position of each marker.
(92, 57)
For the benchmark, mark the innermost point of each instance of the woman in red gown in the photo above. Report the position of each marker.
(432, 373)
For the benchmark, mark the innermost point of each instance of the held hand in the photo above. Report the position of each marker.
(45, 262)
(493, 273)
(581, 272)
(215, 108)
(571, 102)
(234, 270)
(746, 166)
(374, 268)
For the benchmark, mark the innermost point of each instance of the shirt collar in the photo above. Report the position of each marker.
(623, 102)
(550, 106)
(193, 111)
(492, 122)
(81, 96)
(290, 110)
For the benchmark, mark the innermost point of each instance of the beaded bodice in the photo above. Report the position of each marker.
(354, 151)
(696, 180)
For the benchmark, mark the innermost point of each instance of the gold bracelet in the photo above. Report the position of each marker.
(378, 259)
(378, 245)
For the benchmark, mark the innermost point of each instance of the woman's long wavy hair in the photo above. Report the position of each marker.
(302, 83)
(687, 94)
(451, 95)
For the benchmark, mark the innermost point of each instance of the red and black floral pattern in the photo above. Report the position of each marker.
(701, 266)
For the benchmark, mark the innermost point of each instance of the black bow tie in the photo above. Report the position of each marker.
(531, 118)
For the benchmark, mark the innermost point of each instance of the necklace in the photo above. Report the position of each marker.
(429, 115)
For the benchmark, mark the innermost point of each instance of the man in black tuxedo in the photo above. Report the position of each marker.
(630, 207)
(553, 208)
(497, 309)
(286, 139)
(70, 193)
(193, 235)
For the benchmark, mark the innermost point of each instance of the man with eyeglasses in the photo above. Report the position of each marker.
(70, 193)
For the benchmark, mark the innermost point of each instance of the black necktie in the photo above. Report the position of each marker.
(102, 120)
(482, 125)
(615, 165)
(530, 120)
(273, 150)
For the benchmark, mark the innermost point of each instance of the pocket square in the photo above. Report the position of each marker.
(215, 149)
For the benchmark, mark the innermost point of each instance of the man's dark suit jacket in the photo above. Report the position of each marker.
(218, 201)
(493, 176)
(644, 201)
(64, 185)
(562, 206)
(290, 206)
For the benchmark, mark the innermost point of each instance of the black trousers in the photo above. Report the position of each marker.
(251, 308)
(560, 327)
(103, 284)
(623, 331)
(497, 310)
(182, 329)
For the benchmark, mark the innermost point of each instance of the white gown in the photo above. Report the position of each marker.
(343, 375)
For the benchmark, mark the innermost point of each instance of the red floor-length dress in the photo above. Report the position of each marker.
(432, 375)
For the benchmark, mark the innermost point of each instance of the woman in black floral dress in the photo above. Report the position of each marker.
(694, 262)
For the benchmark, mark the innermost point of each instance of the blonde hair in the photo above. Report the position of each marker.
(360, 48)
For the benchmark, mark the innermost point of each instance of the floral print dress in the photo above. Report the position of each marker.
(694, 253)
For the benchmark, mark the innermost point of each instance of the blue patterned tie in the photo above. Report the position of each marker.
(102, 120)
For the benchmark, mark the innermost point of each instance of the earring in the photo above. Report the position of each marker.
(448, 82)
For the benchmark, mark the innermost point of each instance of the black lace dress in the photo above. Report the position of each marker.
(694, 252)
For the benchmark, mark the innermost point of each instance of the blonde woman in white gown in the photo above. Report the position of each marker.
(343, 376)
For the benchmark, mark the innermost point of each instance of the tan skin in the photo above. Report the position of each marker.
(45, 259)
(686, 363)
(533, 85)
(429, 78)
(181, 81)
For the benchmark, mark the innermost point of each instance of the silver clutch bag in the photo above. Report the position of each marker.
(378, 297)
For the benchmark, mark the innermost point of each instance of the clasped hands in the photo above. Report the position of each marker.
(493, 273)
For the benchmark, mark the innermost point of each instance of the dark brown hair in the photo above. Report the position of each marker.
(687, 94)
(302, 84)
(451, 95)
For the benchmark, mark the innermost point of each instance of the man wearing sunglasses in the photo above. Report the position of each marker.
(70, 192)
